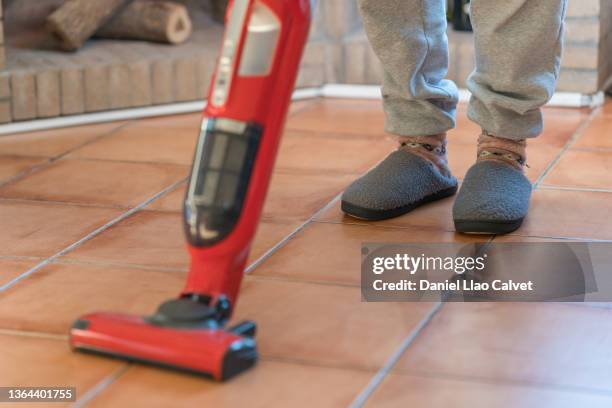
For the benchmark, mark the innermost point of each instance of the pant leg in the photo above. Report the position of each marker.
(518, 54)
(409, 37)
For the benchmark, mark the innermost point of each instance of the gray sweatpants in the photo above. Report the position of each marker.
(518, 52)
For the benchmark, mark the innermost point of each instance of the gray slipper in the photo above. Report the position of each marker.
(494, 199)
(399, 184)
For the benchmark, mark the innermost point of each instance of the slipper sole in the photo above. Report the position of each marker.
(487, 227)
(369, 214)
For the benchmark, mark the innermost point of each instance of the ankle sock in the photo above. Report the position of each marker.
(506, 151)
(431, 148)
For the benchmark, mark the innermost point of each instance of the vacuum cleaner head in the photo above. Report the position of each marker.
(183, 335)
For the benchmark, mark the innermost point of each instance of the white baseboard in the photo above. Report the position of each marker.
(560, 99)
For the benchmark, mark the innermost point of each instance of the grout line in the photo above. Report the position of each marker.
(315, 363)
(574, 239)
(375, 382)
(276, 278)
(284, 241)
(34, 334)
(507, 381)
(99, 387)
(568, 145)
(89, 236)
(51, 160)
(104, 264)
(19, 200)
(578, 189)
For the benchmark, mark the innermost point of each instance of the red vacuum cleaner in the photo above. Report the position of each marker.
(241, 129)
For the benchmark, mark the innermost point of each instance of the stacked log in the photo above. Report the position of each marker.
(77, 20)
(150, 20)
(159, 21)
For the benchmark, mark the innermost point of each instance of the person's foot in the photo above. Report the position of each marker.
(494, 196)
(415, 174)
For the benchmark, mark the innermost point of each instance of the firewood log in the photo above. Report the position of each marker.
(77, 20)
(150, 20)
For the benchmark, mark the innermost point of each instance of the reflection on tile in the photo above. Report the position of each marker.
(96, 182)
(52, 143)
(269, 384)
(300, 151)
(144, 143)
(332, 252)
(412, 391)
(437, 215)
(347, 333)
(598, 134)
(63, 292)
(536, 343)
(569, 214)
(172, 201)
(11, 268)
(340, 116)
(156, 240)
(11, 166)
(42, 229)
(583, 169)
(147, 238)
(299, 195)
(27, 361)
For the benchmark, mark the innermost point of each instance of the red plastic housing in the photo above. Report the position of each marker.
(132, 337)
(218, 270)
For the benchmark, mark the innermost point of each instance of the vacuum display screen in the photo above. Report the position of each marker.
(220, 177)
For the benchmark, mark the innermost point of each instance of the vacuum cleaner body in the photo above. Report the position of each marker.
(241, 129)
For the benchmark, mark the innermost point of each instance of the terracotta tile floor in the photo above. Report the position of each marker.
(90, 218)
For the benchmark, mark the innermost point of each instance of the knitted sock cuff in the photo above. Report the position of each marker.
(432, 148)
(512, 152)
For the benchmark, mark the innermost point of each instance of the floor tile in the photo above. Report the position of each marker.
(269, 233)
(560, 124)
(569, 214)
(607, 108)
(39, 362)
(340, 116)
(293, 195)
(332, 252)
(537, 343)
(52, 143)
(598, 135)
(411, 391)
(172, 201)
(437, 215)
(10, 269)
(52, 298)
(144, 143)
(269, 384)
(584, 169)
(96, 182)
(300, 195)
(300, 151)
(11, 166)
(146, 238)
(325, 324)
(42, 229)
(156, 239)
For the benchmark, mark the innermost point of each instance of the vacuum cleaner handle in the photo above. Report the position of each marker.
(241, 129)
